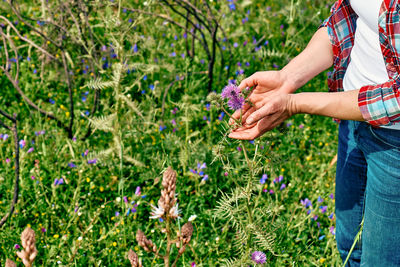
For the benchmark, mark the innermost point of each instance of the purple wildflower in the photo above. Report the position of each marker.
(137, 191)
(5, 137)
(332, 230)
(306, 203)
(22, 143)
(232, 93)
(71, 165)
(263, 179)
(92, 161)
(258, 257)
(221, 116)
(283, 186)
(16, 246)
(324, 209)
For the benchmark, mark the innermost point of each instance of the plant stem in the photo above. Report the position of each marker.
(248, 192)
(168, 250)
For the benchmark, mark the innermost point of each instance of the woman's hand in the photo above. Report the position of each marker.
(265, 84)
(275, 109)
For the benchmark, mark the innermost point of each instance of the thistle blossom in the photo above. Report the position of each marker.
(232, 93)
(258, 257)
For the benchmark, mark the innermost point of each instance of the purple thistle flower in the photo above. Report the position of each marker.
(16, 246)
(258, 257)
(232, 93)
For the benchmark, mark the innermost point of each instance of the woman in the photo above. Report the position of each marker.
(361, 39)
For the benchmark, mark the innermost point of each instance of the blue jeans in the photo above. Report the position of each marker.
(368, 184)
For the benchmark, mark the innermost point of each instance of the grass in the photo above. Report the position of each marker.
(91, 219)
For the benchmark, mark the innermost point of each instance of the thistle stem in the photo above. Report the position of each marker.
(230, 116)
(248, 204)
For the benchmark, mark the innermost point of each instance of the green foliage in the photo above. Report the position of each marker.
(153, 113)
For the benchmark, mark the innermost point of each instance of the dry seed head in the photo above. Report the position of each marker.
(186, 232)
(167, 199)
(134, 259)
(182, 249)
(29, 253)
(10, 263)
(169, 179)
(146, 244)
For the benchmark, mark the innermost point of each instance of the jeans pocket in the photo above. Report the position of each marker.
(386, 136)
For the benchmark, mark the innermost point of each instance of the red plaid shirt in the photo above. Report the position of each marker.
(379, 103)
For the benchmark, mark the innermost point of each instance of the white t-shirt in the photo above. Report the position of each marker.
(366, 66)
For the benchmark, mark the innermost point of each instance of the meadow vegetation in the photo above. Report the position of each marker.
(99, 98)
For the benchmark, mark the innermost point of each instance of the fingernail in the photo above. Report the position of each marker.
(249, 120)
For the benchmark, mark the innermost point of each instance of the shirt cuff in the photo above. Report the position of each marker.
(379, 105)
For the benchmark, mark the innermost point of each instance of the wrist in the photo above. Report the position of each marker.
(290, 83)
(294, 104)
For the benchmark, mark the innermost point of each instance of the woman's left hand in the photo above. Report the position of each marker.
(274, 110)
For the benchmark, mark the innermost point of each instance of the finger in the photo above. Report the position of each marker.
(260, 113)
(250, 81)
(247, 134)
(248, 113)
(236, 114)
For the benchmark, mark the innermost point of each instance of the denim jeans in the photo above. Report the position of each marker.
(368, 184)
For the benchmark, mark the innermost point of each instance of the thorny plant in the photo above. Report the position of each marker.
(166, 211)
(252, 231)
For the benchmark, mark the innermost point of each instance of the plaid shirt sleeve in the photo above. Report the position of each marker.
(380, 104)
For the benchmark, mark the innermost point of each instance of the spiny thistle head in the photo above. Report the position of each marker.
(232, 93)
(29, 253)
(146, 244)
(134, 259)
(259, 257)
(214, 98)
(10, 263)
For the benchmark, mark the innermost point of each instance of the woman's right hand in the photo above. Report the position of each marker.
(264, 84)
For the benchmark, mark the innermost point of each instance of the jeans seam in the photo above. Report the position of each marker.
(380, 139)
